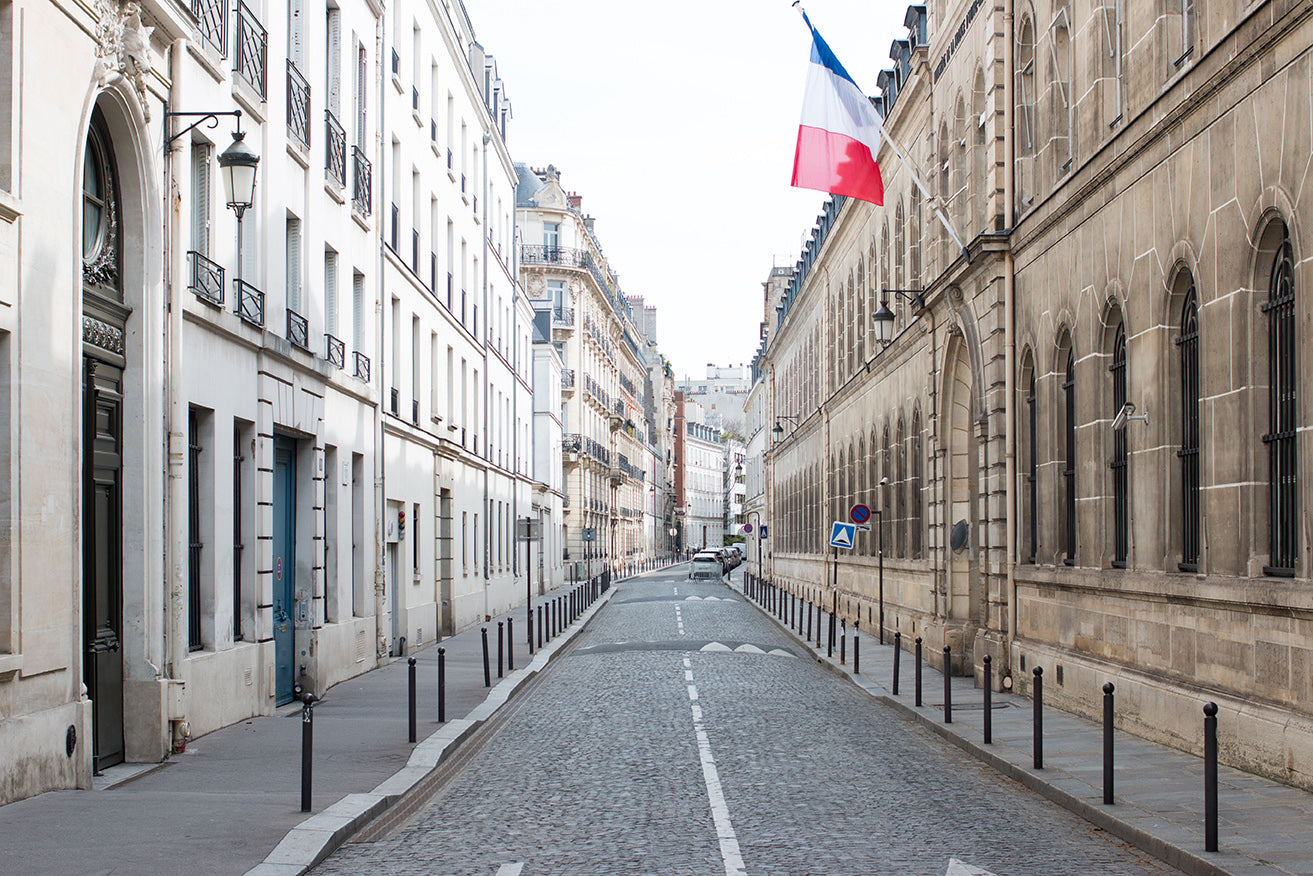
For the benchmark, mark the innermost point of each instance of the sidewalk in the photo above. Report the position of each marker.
(232, 802)
(1264, 827)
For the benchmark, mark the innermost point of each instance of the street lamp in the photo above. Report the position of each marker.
(884, 317)
(237, 166)
(779, 430)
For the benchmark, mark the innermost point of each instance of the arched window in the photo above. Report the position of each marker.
(1282, 413)
(900, 274)
(1030, 460)
(1060, 85)
(914, 241)
(915, 516)
(101, 234)
(1069, 446)
(1025, 74)
(1120, 455)
(900, 488)
(863, 325)
(1188, 349)
(886, 488)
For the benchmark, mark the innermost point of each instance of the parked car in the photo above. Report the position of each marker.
(706, 565)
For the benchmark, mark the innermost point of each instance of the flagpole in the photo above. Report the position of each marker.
(933, 201)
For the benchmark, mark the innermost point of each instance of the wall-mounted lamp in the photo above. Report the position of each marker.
(778, 430)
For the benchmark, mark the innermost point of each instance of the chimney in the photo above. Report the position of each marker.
(574, 200)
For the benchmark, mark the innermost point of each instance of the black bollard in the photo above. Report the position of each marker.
(540, 626)
(414, 693)
(843, 643)
(1039, 717)
(989, 701)
(442, 685)
(487, 673)
(809, 622)
(307, 749)
(1107, 743)
(829, 647)
(501, 649)
(510, 644)
(918, 672)
(530, 622)
(948, 684)
(856, 653)
(1210, 777)
(898, 651)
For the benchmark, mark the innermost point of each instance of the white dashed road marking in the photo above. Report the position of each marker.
(510, 869)
(729, 842)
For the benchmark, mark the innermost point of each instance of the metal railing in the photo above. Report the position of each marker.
(335, 351)
(298, 105)
(212, 21)
(250, 302)
(394, 401)
(414, 250)
(541, 254)
(335, 138)
(563, 317)
(395, 236)
(363, 176)
(567, 378)
(251, 48)
(206, 278)
(361, 363)
(298, 329)
(414, 411)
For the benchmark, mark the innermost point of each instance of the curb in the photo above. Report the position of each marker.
(1128, 830)
(310, 842)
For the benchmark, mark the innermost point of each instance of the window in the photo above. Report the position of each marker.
(1069, 463)
(1120, 499)
(294, 265)
(200, 197)
(358, 311)
(1032, 468)
(1284, 522)
(917, 474)
(1060, 92)
(238, 545)
(551, 235)
(8, 130)
(330, 292)
(1188, 349)
(194, 544)
(1186, 31)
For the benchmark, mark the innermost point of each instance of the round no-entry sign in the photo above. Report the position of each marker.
(859, 513)
(747, 527)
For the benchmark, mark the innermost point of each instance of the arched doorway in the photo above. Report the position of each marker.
(104, 362)
(960, 442)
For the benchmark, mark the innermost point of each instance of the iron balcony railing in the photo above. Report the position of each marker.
(206, 278)
(395, 236)
(335, 351)
(298, 329)
(394, 401)
(251, 48)
(627, 385)
(567, 378)
(361, 362)
(250, 302)
(541, 254)
(212, 21)
(414, 411)
(433, 273)
(414, 250)
(362, 190)
(298, 105)
(563, 317)
(335, 160)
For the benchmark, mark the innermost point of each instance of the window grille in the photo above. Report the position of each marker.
(1120, 503)
(194, 642)
(1188, 347)
(1069, 464)
(1032, 474)
(251, 48)
(1280, 439)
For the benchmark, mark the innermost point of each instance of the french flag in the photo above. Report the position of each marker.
(839, 134)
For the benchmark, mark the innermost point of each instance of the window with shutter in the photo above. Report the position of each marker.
(358, 312)
(294, 265)
(330, 293)
(200, 202)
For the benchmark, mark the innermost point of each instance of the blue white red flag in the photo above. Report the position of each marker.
(839, 134)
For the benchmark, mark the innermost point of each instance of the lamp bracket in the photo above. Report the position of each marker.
(201, 119)
(915, 297)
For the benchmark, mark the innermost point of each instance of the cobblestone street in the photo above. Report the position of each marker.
(685, 734)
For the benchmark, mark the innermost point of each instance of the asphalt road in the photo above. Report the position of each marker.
(684, 733)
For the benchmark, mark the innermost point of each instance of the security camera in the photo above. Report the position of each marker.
(1120, 420)
(884, 481)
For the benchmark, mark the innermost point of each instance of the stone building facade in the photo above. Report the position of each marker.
(1085, 434)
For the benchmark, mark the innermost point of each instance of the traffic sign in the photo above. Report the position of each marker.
(863, 527)
(763, 530)
(747, 527)
(589, 534)
(859, 513)
(841, 534)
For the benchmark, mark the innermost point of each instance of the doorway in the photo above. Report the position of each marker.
(284, 568)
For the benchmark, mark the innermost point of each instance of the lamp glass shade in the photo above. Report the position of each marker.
(237, 166)
(778, 430)
(884, 323)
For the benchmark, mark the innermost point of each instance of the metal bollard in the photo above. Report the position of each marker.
(501, 649)
(1107, 743)
(307, 749)
(829, 648)
(898, 650)
(809, 622)
(1210, 777)
(856, 655)
(442, 685)
(487, 673)
(918, 672)
(1039, 717)
(989, 701)
(843, 642)
(540, 626)
(948, 684)
(414, 693)
(510, 644)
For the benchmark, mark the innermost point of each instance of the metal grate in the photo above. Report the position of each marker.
(1120, 455)
(1282, 414)
(212, 21)
(206, 278)
(362, 189)
(298, 329)
(1069, 464)
(1032, 475)
(1188, 345)
(361, 363)
(251, 48)
(335, 159)
(194, 545)
(250, 302)
(298, 105)
(335, 351)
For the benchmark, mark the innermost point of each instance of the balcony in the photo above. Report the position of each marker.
(563, 318)
(567, 380)
(334, 351)
(541, 254)
(362, 190)
(335, 159)
(361, 365)
(251, 49)
(298, 329)
(212, 22)
(206, 279)
(250, 303)
(298, 106)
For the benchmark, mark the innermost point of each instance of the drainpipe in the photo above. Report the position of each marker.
(382, 634)
(487, 393)
(1009, 330)
(176, 530)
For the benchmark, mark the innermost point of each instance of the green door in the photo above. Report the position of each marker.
(284, 501)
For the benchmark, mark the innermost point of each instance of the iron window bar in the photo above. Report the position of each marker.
(206, 278)
(335, 351)
(252, 48)
(298, 329)
(361, 365)
(362, 178)
(1069, 464)
(1120, 456)
(194, 546)
(298, 105)
(1284, 522)
(1188, 344)
(335, 157)
(250, 303)
(212, 21)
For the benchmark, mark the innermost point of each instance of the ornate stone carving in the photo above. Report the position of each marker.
(123, 46)
(102, 334)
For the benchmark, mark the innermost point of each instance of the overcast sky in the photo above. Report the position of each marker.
(676, 123)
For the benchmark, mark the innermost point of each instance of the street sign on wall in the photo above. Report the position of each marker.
(747, 527)
(859, 513)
